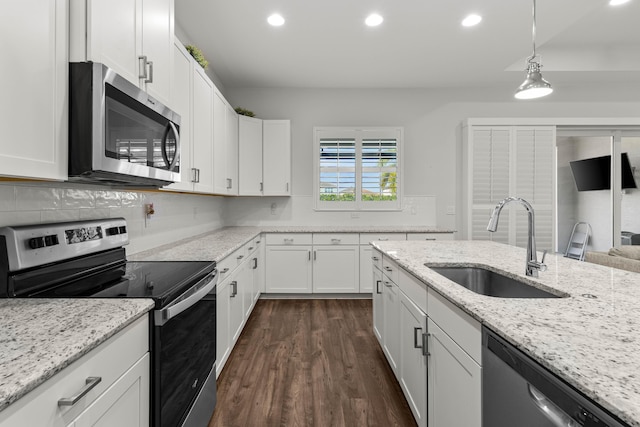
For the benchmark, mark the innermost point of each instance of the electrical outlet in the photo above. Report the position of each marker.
(273, 208)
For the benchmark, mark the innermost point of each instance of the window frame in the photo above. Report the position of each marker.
(359, 134)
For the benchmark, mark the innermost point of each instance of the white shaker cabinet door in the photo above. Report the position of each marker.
(276, 157)
(454, 377)
(34, 79)
(288, 269)
(250, 156)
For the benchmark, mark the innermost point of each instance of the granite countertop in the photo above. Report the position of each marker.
(218, 244)
(591, 338)
(40, 337)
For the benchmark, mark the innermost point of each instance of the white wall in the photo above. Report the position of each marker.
(431, 120)
(177, 216)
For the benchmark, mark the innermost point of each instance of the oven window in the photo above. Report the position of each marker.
(135, 133)
(185, 350)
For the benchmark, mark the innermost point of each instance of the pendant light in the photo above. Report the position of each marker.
(534, 85)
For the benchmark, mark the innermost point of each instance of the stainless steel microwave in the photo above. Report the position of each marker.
(118, 134)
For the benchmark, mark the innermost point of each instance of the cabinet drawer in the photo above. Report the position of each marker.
(429, 236)
(229, 263)
(252, 245)
(365, 238)
(461, 327)
(390, 269)
(376, 259)
(109, 361)
(414, 289)
(289, 239)
(335, 239)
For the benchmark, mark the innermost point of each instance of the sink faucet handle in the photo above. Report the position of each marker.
(540, 265)
(544, 255)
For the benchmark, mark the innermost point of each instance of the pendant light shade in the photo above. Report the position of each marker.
(534, 85)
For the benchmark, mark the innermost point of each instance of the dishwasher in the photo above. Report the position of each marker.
(517, 391)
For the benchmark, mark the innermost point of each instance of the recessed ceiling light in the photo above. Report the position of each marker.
(374, 20)
(471, 20)
(617, 2)
(276, 20)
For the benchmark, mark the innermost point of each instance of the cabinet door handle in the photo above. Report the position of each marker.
(309, 255)
(287, 187)
(261, 186)
(415, 338)
(234, 286)
(378, 291)
(150, 79)
(229, 183)
(314, 255)
(255, 263)
(225, 270)
(193, 175)
(425, 344)
(142, 67)
(90, 383)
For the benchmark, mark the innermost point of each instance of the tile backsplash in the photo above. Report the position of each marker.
(176, 215)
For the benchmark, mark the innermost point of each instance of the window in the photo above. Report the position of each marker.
(357, 169)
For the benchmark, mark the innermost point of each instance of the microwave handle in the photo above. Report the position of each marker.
(165, 157)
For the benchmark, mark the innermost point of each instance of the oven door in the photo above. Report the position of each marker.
(184, 357)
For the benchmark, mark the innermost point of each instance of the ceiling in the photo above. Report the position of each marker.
(420, 44)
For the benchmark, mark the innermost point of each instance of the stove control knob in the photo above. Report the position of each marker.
(36, 242)
(113, 231)
(51, 240)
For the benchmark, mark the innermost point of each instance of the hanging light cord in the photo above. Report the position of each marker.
(533, 37)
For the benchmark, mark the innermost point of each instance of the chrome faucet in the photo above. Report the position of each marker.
(532, 266)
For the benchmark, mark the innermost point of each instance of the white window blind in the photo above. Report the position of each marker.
(357, 169)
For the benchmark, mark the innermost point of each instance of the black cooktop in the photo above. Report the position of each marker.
(163, 281)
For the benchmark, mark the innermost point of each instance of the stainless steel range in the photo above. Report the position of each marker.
(87, 259)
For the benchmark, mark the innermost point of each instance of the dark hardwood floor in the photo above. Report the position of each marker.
(309, 363)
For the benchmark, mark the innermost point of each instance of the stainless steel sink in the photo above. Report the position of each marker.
(490, 283)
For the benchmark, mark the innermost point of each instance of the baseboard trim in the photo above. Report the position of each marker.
(315, 296)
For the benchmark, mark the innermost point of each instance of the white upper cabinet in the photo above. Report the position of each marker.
(250, 155)
(202, 131)
(225, 146)
(133, 37)
(34, 91)
(276, 157)
(181, 102)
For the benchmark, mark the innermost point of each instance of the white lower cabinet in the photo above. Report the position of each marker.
(432, 346)
(391, 327)
(455, 387)
(412, 366)
(120, 398)
(288, 269)
(336, 269)
(236, 295)
(378, 304)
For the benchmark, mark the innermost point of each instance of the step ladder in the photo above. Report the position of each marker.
(578, 241)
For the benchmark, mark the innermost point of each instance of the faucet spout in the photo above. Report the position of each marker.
(532, 264)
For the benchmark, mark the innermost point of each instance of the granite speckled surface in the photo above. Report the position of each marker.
(591, 338)
(40, 337)
(219, 244)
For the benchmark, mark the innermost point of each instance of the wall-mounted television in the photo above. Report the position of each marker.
(595, 173)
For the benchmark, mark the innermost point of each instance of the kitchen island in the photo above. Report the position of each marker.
(589, 338)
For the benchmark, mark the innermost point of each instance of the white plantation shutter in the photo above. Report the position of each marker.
(490, 165)
(379, 169)
(513, 161)
(338, 169)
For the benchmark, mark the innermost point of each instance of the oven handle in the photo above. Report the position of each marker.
(205, 286)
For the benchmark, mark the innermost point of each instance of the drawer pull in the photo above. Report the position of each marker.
(240, 256)
(288, 240)
(388, 269)
(234, 289)
(91, 382)
(250, 248)
(375, 258)
(225, 270)
(429, 238)
(336, 240)
(383, 239)
(387, 284)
